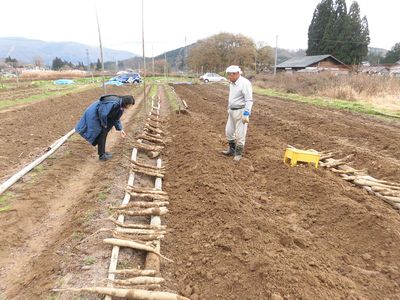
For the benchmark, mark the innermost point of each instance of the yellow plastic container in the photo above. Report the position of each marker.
(296, 155)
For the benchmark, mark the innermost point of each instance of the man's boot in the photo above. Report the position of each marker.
(238, 153)
(231, 149)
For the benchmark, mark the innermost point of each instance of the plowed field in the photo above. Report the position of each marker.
(244, 230)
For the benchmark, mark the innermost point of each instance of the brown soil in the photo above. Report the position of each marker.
(252, 229)
(243, 230)
(53, 207)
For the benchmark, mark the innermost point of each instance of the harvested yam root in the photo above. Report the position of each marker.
(150, 139)
(147, 190)
(386, 190)
(154, 211)
(155, 119)
(139, 280)
(134, 245)
(156, 136)
(145, 171)
(135, 272)
(153, 129)
(142, 204)
(147, 146)
(146, 166)
(146, 239)
(126, 293)
(139, 226)
(149, 197)
(149, 287)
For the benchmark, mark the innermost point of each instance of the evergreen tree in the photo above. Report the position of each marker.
(98, 65)
(336, 32)
(393, 55)
(339, 36)
(316, 30)
(57, 64)
(12, 61)
(357, 44)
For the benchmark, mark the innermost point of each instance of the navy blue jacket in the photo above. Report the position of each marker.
(103, 113)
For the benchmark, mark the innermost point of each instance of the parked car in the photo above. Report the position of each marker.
(212, 77)
(128, 78)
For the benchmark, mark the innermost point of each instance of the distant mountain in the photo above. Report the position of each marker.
(285, 54)
(27, 51)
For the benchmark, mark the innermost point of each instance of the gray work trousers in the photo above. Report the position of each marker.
(235, 129)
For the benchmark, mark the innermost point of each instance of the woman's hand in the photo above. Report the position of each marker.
(123, 134)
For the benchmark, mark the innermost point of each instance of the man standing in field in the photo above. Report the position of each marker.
(239, 110)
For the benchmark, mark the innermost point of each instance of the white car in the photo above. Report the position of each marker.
(212, 77)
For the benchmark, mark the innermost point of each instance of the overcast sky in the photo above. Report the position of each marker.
(168, 22)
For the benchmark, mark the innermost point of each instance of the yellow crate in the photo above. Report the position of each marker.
(296, 155)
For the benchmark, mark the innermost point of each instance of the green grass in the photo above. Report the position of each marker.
(162, 79)
(4, 201)
(76, 236)
(153, 91)
(90, 215)
(90, 260)
(101, 196)
(47, 89)
(38, 169)
(173, 101)
(124, 265)
(354, 106)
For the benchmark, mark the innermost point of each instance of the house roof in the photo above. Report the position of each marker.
(303, 62)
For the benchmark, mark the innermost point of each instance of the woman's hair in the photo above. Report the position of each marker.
(127, 100)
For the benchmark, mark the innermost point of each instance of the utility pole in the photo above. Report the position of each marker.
(101, 52)
(144, 58)
(276, 54)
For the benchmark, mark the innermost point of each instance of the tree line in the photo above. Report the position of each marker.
(336, 31)
(60, 64)
(218, 51)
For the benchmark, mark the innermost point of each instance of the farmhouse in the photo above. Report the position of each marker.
(312, 64)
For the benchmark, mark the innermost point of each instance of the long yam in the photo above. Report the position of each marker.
(134, 245)
(139, 280)
(136, 294)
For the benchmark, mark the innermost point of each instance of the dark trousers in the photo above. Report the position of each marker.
(101, 141)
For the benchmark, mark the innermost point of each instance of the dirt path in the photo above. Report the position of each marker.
(249, 230)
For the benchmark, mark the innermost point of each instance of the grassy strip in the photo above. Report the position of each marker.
(153, 91)
(159, 79)
(330, 103)
(43, 96)
(172, 98)
(4, 205)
